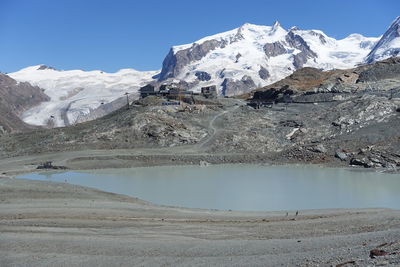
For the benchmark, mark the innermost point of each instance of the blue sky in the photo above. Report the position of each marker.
(114, 34)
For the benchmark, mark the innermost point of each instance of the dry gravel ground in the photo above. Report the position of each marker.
(58, 224)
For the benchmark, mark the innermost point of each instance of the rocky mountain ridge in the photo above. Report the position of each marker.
(253, 56)
(380, 76)
(237, 61)
(388, 45)
(15, 98)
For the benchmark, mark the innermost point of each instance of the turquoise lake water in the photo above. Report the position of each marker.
(243, 187)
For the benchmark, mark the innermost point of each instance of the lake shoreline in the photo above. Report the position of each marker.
(50, 223)
(121, 158)
(240, 187)
(46, 223)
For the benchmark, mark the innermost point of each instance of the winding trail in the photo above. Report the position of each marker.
(213, 129)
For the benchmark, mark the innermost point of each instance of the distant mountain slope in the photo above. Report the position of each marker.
(75, 94)
(16, 98)
(253, 56)
(388, 45)
(382, 75)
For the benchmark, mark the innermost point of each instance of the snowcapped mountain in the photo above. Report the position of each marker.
(388, 45)
(237, 61)
(75, 94)
(253, 56)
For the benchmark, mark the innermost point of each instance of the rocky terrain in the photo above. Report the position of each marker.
(381, 76)
(343, 117)
(16, 98)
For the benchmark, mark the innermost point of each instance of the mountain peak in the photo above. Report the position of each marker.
(396, 21)
(276, 25)
(388, 45)
(250, 26)
(45, 67)
(294, 28)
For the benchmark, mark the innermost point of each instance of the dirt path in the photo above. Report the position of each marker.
(212, 127)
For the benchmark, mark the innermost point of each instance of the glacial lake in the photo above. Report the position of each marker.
(243, 187)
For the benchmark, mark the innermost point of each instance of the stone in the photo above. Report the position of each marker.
(341, 155)
(319, 148)
(382, 263)
(377, 253)
(360, 162)
(204, 163)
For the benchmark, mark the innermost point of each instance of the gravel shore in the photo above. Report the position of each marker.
(58, 224)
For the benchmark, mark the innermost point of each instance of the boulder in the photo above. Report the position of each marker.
(360, 162)
(377, 253)
(341, 155)
(319, 148)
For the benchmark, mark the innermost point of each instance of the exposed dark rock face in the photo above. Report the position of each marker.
(304, 79)
(296, 41)
(169, 66)
(274, 49)
(320, 36)
(273, 94)
(263, 73)
(387, 69)
(203, 76)
(222, 73)
(44, 67)
(299, 60)
(14, 99)
(233, 87)
(237, 57)
(174, 62)
(247, 81)
(237, 37)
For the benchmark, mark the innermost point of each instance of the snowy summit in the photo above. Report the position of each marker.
(253, 56)
(236, 61)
